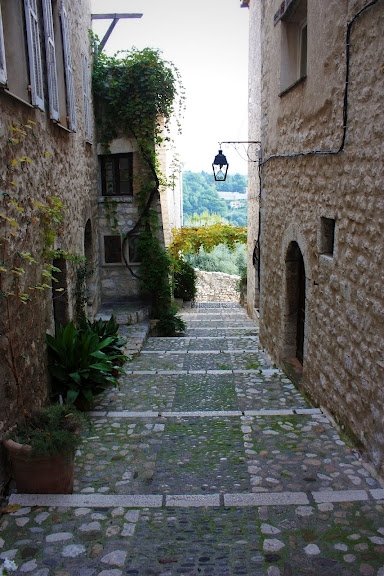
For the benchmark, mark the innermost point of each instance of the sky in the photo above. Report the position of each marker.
(207, 40)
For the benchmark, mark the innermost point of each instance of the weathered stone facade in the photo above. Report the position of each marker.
(217, 287)
(119, 214)
(254, 103)
(68, 172)
(322, 214)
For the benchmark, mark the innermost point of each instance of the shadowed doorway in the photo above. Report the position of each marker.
(295, 304)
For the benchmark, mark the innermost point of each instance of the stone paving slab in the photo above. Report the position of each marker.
(329, 539)
(205, 471)
(201, 344)
(264, 453)
(199, 389)
(301, 451)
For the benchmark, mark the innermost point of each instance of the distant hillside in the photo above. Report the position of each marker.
(227, 199)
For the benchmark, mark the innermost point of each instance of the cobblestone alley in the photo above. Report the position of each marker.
(206, 461)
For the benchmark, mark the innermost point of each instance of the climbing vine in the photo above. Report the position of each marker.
(136, 94)
(111, 213)
(189, 240)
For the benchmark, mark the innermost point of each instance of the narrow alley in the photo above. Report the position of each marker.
(206, 461)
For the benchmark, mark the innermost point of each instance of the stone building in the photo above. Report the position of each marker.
(45, 92)
(321, 202)
(119, 214)
(49, 156)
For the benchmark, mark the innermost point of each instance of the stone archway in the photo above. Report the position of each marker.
(294, 319)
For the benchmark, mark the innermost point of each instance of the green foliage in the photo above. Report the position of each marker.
(238, 216)
(169, 323)
(221, 259)
(111, 213)
(190, 240)
(81, 292)
(79, 364)
(155, 270)
(184, 280)
(53, 430)
(134, 92)
(203, 219)
(200, 195)
(109, 329)
(233, 183)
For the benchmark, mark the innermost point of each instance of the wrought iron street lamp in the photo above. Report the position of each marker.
(220, 164)
(220, 167)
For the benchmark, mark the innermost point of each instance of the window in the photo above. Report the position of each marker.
(3, 67)
(21, 71)
(327, 236)
(20, 57)
(293, 44)
(33, 41)
(50, 51)
(112, 250)
(71, 112)
(116, 174)
(87, 99)
(133, 256)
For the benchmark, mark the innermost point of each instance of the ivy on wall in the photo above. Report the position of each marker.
(136, 93)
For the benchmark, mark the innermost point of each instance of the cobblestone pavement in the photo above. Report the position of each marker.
(206, 461)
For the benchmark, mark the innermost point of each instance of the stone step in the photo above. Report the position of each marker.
(125, 313)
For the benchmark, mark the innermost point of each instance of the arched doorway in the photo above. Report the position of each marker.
(89, 263)
(88, 252)
(295, 303)
(60, 293)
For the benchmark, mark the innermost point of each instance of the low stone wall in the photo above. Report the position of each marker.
(217, 287)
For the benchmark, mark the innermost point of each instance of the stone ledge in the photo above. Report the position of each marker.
(266, 499)
(192, 500)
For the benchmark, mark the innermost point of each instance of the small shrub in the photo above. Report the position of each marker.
(169, 323)
(185, 280)
(53, 430)
(109, 329)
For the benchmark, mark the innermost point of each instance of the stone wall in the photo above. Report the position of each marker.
(254, 113)
(343, 364)
(217, 287)
(69, 172)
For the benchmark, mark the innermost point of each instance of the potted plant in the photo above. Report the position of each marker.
(42, 450)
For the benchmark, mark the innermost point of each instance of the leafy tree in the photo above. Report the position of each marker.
(221, 259)
(200, 196)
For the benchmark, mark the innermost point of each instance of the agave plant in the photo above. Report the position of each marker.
(79, 365)
(108, 329)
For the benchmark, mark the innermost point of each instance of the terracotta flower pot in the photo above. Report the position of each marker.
(40, 474)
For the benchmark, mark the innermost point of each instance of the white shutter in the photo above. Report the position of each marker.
(87, 100)
(3, 68)
(53, 90)
(68, 69)
(33, 41)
